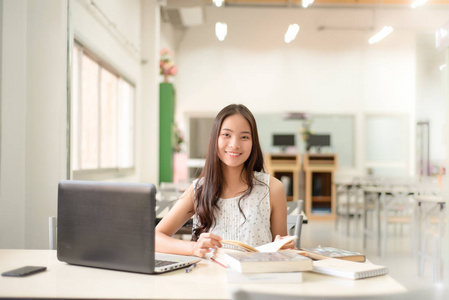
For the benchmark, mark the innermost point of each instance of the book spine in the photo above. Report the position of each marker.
(216, 261)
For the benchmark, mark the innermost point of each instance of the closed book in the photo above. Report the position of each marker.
(348, 269)
(267, 262)
(285, 277)
(331, 252)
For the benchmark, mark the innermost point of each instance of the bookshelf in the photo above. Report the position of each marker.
(320, 191)
(285, 166)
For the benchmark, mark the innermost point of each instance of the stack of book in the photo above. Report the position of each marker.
(264, 259)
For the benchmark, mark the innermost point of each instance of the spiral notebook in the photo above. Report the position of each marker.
(348, 269)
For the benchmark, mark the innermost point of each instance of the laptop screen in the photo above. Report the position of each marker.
(107, 225)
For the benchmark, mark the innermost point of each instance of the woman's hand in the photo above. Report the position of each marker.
(205, 243)
(289, 245)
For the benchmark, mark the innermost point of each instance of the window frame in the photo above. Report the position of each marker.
(98, 173)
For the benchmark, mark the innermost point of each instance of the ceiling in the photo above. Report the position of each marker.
(333, 3)
(185, 13)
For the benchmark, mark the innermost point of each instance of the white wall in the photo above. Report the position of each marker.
(444, 77)
(323, 71)
(431, 95)
(33, 119)
(149, 109)
(34, 101)
(92, 29)
(13, 98)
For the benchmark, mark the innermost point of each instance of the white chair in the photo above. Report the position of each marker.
(168, 194)
(295, 219)
(52, 233)
(398, 208)
(349, 203)
(430, 226)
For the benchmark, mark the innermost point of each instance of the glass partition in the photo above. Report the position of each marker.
(339, 127)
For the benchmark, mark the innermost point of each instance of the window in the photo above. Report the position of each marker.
(102, 117)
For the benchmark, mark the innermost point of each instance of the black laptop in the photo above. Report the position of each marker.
(111, 225)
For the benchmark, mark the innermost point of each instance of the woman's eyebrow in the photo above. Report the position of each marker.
(242, 132)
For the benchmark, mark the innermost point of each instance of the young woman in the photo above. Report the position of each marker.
(232, 199)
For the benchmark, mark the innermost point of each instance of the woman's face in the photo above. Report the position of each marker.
(234, 141)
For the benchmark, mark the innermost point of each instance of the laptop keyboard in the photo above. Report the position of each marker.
(161, 263)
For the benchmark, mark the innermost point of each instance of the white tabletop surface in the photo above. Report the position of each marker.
(207, 281)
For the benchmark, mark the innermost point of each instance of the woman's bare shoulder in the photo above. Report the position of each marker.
(276, 187)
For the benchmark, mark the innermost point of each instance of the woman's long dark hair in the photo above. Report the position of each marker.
(209, 190)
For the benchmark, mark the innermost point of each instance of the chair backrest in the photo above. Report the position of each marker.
(163, 206)
(52, 232)
(168, 194)
(295, 219)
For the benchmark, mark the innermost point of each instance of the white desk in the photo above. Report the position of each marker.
(381, 202)
(207, 281)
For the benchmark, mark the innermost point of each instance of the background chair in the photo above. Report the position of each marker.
(52, 233)
(349, 204)
(295, 219)
(168, 194)
(430, 227)
(398, 208)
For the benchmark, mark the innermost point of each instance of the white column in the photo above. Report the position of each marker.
(13, 113)
(46, 115)
(149, 110)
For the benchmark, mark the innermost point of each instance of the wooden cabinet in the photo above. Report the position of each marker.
(319, 172)
(285, 167)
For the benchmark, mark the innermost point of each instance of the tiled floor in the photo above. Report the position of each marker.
(399, 258)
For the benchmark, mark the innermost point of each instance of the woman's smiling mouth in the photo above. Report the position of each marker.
(233, 154)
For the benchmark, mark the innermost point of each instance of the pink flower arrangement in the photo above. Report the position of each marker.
(166, 65)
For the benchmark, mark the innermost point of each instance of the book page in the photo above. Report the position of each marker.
(270, 247)
(276, 245)
(241, 246)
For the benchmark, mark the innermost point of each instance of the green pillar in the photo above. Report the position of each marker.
(166, 120)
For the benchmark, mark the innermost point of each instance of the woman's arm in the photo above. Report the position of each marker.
(278, 202)
(181, 212)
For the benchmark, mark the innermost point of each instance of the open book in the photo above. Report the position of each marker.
(270, 247)
(265, 258)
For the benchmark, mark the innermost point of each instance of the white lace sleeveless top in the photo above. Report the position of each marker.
(230, 224)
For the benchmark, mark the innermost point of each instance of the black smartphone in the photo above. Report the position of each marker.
(24, 271)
